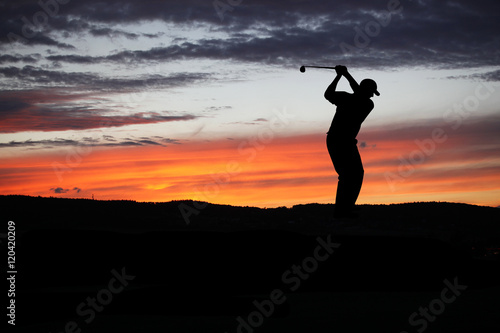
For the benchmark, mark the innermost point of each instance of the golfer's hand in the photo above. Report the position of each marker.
(341, 70)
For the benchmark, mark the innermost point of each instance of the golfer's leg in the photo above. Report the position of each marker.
(355, 177)
(342, 200)
(343, 197)
(340, 155)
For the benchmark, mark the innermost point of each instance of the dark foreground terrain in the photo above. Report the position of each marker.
(122, 266)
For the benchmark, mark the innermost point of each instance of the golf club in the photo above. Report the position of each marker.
(303, 68)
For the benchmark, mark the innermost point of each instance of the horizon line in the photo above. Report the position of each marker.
(222, 204)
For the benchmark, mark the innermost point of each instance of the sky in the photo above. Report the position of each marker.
(199, 99)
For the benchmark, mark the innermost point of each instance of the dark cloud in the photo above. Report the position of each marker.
(18, 58)
(168, 140)
(34, 75)
(364, 145)
(47, 120)
(104, 141)
(38, 39)
(60, 190)
(489, 76)
(115, 33)
(253, 122)
(40, 143)
(74, 59)
(153, 141)
(111, 33)
(11, 105)
(30, 76)
(41, 39)
(218, 108)
(109, 138)
(52, 110)
(455, 34)
(156, 35)
(149, 142)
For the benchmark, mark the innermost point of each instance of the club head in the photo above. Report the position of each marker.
(302, 69)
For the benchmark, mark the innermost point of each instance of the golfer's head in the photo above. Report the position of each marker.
(368, 87)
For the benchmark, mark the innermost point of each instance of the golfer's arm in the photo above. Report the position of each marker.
(330, 91)
(354, 85)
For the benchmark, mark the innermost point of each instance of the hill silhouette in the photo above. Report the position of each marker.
(218, 270)
(453, 222)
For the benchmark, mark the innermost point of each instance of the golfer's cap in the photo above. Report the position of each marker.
(370, 85)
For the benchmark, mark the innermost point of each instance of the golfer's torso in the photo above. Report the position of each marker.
(348, 119)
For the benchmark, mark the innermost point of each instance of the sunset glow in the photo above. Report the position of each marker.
(285, 171)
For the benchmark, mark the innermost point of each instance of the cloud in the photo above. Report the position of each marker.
(218, 108)
(488, 76)
(11, 105)
(104, 141)
(168, 140)
(30, 76)
(19, 58)
(454, 34)
(364, 145)
(36, 111)
(111, 33)
(115, 33)
(46, 120)
(37, 76)
(60, 190)
(39, 39)
(74, 59)
(57, 110)
(43, 143)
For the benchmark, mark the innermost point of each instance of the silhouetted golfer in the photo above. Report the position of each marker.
(352, 110)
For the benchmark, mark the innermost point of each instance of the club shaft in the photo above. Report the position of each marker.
(320, 67)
